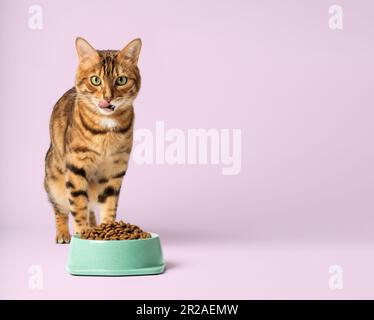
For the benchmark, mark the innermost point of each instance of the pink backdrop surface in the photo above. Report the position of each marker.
(302, 95)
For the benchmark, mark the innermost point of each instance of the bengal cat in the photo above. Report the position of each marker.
(91, 130)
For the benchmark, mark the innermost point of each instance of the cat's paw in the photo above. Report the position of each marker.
(63, 237)
(80, 231)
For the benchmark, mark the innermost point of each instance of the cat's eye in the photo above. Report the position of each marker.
(95, 80)
(122, 80)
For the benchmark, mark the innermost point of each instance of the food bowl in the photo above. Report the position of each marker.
(115, 257)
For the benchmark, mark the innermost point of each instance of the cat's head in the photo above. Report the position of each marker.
(107, 80)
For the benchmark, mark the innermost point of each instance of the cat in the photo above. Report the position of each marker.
(91, 131)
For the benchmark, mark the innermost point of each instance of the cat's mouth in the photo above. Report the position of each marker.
(106, 106)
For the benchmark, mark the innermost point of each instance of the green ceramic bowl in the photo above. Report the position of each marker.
(115, 257)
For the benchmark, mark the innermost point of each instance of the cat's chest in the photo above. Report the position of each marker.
(109, 153)
(107, 145)
(103, 167)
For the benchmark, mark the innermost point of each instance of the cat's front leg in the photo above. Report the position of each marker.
(77, 189)
(108, 197)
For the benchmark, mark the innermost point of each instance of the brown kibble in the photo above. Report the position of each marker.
(118, 230)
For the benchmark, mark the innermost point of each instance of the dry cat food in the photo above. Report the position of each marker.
(115, 231)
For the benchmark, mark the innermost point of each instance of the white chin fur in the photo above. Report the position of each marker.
(108, 123)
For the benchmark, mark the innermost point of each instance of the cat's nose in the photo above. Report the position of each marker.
(108, 99)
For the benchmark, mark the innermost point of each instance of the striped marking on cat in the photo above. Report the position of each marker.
(108, 192)
(119, 175)
(79, 193)
(77, 171)
(82, 149)
(103, 180)
(69, 185)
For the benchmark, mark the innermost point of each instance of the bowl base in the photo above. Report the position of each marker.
(125, 272)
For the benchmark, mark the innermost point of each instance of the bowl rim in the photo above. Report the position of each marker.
(153, 236)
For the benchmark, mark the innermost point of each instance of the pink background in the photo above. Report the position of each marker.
(302, 95)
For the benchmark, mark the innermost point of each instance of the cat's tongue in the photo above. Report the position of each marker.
(104, 104)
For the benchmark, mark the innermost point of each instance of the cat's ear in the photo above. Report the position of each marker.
(131, 51)
(85, 50)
